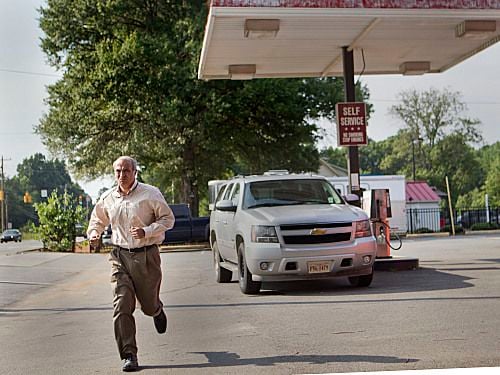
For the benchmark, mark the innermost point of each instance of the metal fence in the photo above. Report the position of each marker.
(437, 220)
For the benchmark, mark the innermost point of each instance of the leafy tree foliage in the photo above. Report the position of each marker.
(454, 158)
(438, 139)
(489, 158)
(35, 174)
(431, 115)
(19, 213)
(58, 217)
(335, 156)
(492, 183)
(130, 87)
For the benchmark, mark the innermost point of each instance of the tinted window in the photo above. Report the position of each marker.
(221, 193)
(235, 196)
(290, 192)
(227, 193)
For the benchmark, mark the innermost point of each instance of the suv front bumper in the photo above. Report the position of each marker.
(268, 262)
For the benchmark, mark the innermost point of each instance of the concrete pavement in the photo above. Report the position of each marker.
(442, 316)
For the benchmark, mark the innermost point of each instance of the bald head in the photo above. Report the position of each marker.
(125, 169)
(131, 162)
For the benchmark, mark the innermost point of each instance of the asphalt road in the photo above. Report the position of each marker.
(10, 248)
(56, 311)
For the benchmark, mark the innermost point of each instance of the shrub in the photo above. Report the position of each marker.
(424, 230)
(447, 228)
(484, 226)
(59, 217)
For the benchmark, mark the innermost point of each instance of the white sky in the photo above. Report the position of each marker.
(24, 77)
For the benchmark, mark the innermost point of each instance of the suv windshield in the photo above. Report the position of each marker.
(289, 192)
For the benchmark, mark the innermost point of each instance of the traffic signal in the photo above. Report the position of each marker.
(1, 195)
(80, 200)
(27, 198)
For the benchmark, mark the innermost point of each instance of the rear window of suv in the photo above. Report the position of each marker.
(290, 192)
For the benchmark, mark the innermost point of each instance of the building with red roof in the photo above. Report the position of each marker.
(422, 206)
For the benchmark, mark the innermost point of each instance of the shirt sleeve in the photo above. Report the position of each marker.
(98, 219)
(165, 219)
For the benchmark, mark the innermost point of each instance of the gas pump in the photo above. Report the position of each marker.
(377, 204)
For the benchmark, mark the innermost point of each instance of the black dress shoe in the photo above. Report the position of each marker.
(161, 322)
(130, 364)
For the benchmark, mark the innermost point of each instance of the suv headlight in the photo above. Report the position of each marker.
(363, 229)
(264, 233)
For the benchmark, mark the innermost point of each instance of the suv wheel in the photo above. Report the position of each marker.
(222, 275)
(361, 281)
(247, 285)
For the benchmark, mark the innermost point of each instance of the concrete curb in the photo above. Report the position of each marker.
(184, 248)
(419, 235)
(473, 232)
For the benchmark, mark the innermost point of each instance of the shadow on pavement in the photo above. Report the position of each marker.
(225, 359)
(423, 279)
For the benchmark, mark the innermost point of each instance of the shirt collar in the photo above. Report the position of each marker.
(118, 193)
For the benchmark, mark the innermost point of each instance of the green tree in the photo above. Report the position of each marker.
(492, 183)
(394, 155)
(58, 217)
(335, 156)
(130, 87)
(437, 138)
(19, 213)
(432, 115)
(35, 174)
(454, 158)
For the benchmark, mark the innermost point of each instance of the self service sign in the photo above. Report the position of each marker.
(351, 124)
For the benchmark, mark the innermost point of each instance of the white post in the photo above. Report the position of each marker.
(487, 208)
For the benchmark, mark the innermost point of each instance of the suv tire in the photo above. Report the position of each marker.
(222, 275)
(361, 281)
(247, 285)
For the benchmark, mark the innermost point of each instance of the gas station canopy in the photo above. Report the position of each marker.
(247, 39)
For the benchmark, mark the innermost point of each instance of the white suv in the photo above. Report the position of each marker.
(288, 227)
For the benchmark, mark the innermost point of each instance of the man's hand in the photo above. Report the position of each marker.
(94, 240)
(137, 232)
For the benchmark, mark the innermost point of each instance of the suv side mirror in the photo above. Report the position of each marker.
(225, 205)
(351, 198)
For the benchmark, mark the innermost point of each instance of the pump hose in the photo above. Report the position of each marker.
(388, 240)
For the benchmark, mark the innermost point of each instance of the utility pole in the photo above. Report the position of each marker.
(3, 197)
(3, 206)
(413, 157)
(413, 154)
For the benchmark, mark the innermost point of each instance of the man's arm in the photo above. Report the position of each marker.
(97, 223)
(165, 219)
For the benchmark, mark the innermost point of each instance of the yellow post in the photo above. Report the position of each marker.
(451, 209)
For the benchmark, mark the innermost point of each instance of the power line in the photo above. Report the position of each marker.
(30, 73)
(399, 101)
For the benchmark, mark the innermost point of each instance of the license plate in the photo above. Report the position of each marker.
(318, 267)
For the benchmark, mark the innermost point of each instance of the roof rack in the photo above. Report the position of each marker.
(276, 172)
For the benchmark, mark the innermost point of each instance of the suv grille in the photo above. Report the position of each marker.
(301, 234)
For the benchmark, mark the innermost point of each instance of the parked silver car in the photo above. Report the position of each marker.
(288, 227)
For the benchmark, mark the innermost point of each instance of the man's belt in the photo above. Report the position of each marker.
(137, 249)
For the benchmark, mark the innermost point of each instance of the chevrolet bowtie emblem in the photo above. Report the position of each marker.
(317, 232)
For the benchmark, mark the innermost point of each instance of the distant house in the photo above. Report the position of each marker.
(330, 170)
(422, 206)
